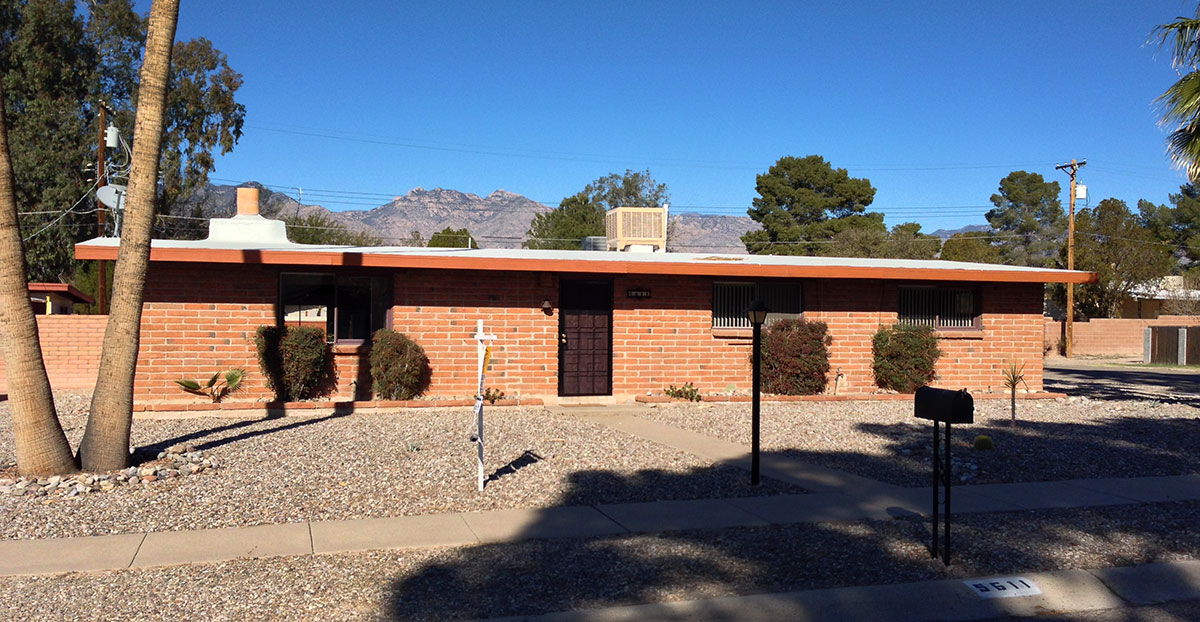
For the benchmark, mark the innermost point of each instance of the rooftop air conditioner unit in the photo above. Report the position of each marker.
(636, 228)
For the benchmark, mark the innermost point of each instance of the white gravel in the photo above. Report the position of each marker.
(1053, 439)
(420, 461)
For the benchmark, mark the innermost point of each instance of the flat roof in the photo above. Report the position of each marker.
(65, 289)
(595, 262)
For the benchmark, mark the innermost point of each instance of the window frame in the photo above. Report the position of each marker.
(386, 305)
(740, 321)
(940, 289)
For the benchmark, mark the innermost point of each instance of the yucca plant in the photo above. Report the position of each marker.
(1013, 376)
(217, 387)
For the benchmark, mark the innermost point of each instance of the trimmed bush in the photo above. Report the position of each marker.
(399, 368)
(905, 357)
(795, 357)
(296, 361)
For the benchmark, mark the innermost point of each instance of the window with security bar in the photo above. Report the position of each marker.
(940, 307)
(730, 301)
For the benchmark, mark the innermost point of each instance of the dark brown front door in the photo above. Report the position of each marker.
(585, 338)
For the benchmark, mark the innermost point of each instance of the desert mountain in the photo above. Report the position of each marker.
(498, 220)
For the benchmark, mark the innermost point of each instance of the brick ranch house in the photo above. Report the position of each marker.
(570, 325)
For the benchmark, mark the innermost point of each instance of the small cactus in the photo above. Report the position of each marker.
(984, 442)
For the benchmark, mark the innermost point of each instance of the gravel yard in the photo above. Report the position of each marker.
(322, 468)
(1053, 440)
(549, 575)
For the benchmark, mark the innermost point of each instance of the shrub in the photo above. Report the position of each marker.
(296, 361)
(905, 357)
(795, 357)
(399, 367)
(984, 443)
(687, 392)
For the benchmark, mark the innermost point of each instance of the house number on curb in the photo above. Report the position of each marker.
(1003, 587)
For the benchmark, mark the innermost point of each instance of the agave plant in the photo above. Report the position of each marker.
(1013, 376)
(217, 387)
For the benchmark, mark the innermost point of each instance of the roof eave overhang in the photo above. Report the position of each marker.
(731, 268)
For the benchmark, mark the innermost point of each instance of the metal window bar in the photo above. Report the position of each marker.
(956, 308)
(917, 306)
(783, 301)
(938, 308)
(730, 301)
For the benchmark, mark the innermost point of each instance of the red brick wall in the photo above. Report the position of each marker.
(200, 320)
(70, 349)
(971, 359)
(1110, 336)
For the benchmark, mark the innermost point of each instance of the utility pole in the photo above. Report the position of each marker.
(101, 181)
(1071, 169)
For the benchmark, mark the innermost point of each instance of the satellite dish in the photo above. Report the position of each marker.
(112, 195)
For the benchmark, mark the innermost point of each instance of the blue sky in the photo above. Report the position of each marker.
(934, 102)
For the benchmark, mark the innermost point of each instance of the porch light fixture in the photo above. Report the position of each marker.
(757, 312)
(547, 308)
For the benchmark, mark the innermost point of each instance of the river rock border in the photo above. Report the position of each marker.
(177, 461)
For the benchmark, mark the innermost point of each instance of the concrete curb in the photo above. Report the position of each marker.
(1062, 592)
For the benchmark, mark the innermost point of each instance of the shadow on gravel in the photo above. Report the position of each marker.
(1175, 387)
(1128, 446)
(544, 575)
(292, 424)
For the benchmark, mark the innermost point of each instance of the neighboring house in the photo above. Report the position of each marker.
(56, 298)
(1148, 301)
(570, 325)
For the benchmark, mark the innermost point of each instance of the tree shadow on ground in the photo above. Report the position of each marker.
(1126, 446)
(1174, 387)
(543, 575)
(340, 410)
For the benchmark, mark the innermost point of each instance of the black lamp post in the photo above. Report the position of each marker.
(757, 312)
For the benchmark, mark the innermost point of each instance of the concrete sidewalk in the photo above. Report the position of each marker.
(837, 496)
(139, 550)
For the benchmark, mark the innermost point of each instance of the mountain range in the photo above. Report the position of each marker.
(499, 220)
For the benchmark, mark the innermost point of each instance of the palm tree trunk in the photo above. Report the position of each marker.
(42, 448)
(105, 443)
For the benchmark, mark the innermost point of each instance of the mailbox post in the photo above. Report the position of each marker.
(942, 406)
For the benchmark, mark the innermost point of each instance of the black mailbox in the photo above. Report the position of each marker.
(944, 405)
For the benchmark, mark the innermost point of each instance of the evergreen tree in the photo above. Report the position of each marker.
(974, 247)
(1178, 224)
(317, 228)
(1111, 242)
(452, 238)
(57, 65)
(1028, 218)
(803, 200)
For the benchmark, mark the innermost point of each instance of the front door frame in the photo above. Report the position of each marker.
(601, 304)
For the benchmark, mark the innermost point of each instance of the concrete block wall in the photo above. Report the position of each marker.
(70, 349)
(1109, 336)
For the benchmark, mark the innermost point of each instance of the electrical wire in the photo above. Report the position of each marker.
(69, 210)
